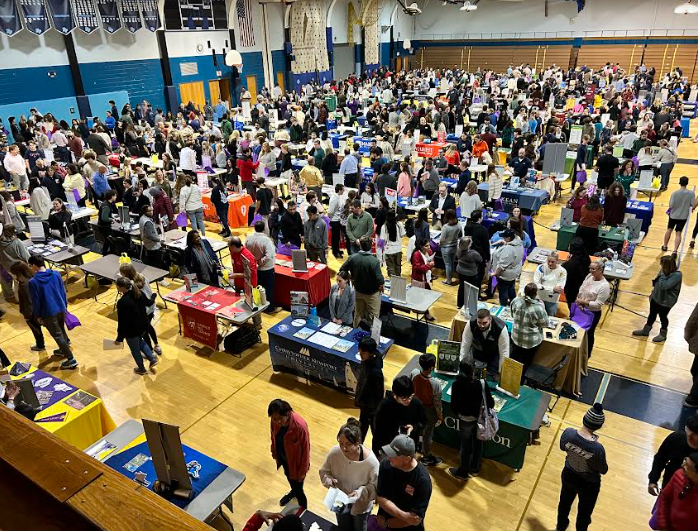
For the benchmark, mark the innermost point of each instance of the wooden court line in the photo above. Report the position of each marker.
(603, 387)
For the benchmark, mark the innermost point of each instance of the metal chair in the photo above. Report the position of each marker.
(543, 378)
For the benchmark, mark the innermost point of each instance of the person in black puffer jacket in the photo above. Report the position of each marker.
(369, 386)
(133, 323)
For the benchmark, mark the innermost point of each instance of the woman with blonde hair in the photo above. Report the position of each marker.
(206, 155)
(267, 161)
(128, 271)
(470, 200)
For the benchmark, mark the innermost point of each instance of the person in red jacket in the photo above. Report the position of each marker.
(422, 264)
(237, 252)
(677, 508)
(246, 168)
(290, 448)
(290, 522)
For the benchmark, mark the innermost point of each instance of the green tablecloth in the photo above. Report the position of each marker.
(611, 235)
(517, 419)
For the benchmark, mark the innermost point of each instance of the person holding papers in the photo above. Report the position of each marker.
(550, 277)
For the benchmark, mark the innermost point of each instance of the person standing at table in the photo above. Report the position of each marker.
(187, 159)
(352, 468)
(334, 211)
(200, 259)
(312, 177)
(606, 166)
(665, 294)
(261, 246)
(428, 390)
(593, 294)
(246, 168)
(16, 166)
(681, 204)
(291, 225)
(671, 454)
(584, 465)
(368, 282)
(614, 205)
(190, 202)
(481, 241)
(315, 236)
(440, 203)
(359, 226)
(590, 219)
(349, 169)
(392, 233)
(470, 200)
(551, 277)
(219, 198)
(422, 261)
(495, 183)
(290, 448)
(451, 234)
(428, 179)
(529, 318)
(506, 262)
(237, 252)
(370, 387)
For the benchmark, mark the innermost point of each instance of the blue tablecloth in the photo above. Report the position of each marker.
(450, 182)
(311, 360)
(685, 127)
(451, 137)
(335, 138)
(364, 144)
(210, 468)
(525, 198)
(643, 210)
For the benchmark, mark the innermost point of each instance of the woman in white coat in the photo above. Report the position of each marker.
(39, 200)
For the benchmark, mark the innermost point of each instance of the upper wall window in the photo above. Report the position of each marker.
(195, 14)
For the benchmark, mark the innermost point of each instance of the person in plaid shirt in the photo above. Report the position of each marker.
(529, 317)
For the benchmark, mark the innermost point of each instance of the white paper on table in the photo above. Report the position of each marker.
(322, 339)
(331, 328)
(110, 344)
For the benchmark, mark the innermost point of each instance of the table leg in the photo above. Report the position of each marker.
(157, 287)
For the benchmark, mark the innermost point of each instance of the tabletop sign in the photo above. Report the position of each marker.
(376, 330)
(511, 377)
(576, 135)
(391, 196)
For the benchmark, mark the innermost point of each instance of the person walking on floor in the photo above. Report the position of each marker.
(290, 448)
(428, 390)
(142, 283)
(529, 319)
(681, 204)
(351, 467)
(451, 232)
(219, 198)
(368, 282)
(49, 304)
(23, 273)
(133, 324)
(12, 250)
(584, 465)
(690, 334)
(671, 454)
(593, 294)
(315, 236)
(370, 387)
(466, 401)
(468, 263)
(665, 294)
(334, 211)
(190, 202)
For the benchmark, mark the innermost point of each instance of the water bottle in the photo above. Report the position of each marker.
(313, 310)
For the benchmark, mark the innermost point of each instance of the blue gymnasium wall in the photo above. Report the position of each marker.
(34, 84)
(206, 71)
(252, 65)
(99, 103)
(278, 59)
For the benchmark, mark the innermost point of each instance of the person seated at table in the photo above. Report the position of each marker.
(578, 200)
(342, 300)
(422, 261)
(589, 221)
(469, 200)
(452, 159)
(551, 277)
(614, 205)
(59, 220)
(515, 225)
(370, 200)
(200, 259)
(485, 342)
(480, 147)
(237, 252)
(11, 397)
(440, 203)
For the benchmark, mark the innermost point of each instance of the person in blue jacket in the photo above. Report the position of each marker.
(49, 304)
(515, 225)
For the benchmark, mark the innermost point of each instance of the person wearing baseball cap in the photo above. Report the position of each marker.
(584, 465)
(507, 260)
(404, 487)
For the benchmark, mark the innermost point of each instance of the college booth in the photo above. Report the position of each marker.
(527, 199)
(518, 418)
(316, 281)
(238, 208)
(609, 236)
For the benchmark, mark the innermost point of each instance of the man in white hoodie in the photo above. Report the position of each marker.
(507, 262)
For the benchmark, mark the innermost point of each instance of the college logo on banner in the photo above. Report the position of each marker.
(151, 15)
(131, 15)
(10, 21)
(62, 16)
(86, 15)
(35, 16)
(109, 13)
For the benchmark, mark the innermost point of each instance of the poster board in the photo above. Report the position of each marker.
(398, 288)
(391, 196)
(447, 357)
(247, 286)
(575, 135)
(510, 381)
(300, 303)
(299, 257)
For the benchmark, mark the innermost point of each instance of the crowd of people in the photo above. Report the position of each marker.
(59, 164)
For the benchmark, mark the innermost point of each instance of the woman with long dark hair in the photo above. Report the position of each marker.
(142, 283)
(577, 266)
(392, 233)
(200, 259)
(133, 323)
(589, 221)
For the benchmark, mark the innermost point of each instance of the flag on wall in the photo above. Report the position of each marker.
(35, 16)
(10, 21)
(151, 16)
(86, 15)
(62, 16)
(109, 13)
(244, 11)
(131, 15)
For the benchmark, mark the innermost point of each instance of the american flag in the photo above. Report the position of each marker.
(244, 10)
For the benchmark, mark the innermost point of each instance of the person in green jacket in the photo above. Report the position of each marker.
(226, 127)
(359, 225)
(626, 176)
(368, 281)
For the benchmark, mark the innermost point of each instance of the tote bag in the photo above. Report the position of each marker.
(70, 320)
(581, 316)
(487, 421)
(581, 177)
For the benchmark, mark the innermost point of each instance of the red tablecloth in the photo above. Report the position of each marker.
(238, 206)
(198, 312)
(430, 150)
(316, 282)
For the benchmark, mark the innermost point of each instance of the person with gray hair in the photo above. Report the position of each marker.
(593, 294)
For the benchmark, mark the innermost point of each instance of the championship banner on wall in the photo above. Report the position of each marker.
(131, 15)
(151, 15)
(86, 15)
(62, 16)
(35, 16)
(109, 13)
(10, 21)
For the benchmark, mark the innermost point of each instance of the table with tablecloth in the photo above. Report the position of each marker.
(318, 352)
(336, 138)
(316, 281)
(643, 210)
(74, 415)
(530, 199)
(549, 353)
(607, 235)
(517, 419)
(238, 208)
(428, 149)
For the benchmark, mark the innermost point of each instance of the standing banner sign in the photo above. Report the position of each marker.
(86, 15)
(10, 21)
(35, 16)
(109, 13)
(151, 16)
(62, 16)
(131, 15)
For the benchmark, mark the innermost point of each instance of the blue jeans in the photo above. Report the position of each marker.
(470, 448)
(448, 254)
(507, 291)
(551, 308)
(196, 218)
(137, 345)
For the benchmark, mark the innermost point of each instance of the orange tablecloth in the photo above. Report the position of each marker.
(238, 207)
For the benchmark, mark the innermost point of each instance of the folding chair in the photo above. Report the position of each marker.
(543, 378)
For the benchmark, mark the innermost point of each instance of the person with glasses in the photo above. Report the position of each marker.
(677, 508)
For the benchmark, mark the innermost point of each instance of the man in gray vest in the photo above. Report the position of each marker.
(485, 342)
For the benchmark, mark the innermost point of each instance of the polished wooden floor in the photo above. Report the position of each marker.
(219, 401)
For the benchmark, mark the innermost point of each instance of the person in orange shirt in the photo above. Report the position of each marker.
(452, 158)
(479, 146)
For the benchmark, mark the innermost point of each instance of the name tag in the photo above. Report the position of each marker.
(409, 489)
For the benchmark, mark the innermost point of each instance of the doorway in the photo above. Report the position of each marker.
(214, 91)
(251, 84)
(193, 92)
(281, 82)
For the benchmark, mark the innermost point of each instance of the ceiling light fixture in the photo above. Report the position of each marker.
(686, 9)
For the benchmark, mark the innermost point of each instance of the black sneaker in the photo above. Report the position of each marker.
(286, 499)
(70, 364)
(690, 403)
(58, 353)
(427, 460)
(36, 348)
(140, 372)
(453, 472)
(152, 365)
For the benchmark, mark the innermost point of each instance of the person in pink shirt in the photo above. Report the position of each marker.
(404, 181)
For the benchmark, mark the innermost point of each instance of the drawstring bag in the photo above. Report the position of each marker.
(181, 219)
(70, 320)
(581, 176)
(124, 259)
(581, 316)
(487, 421)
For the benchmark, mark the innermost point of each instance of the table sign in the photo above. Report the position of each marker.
(510, 382)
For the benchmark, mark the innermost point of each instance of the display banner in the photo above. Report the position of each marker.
(35, 16)
(62, 16)
(151, 16)
(109, 13)
(131, 15)
(10, 21)
(199, 325)
(86, 15)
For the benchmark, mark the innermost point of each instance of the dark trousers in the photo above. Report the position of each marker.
(336, 235)
(658, 310)
(460, 299)
(366, 421)
(266, 280)
(296, 488)
(351, 180)
(695, 230)
(35, 327)
(55, 325)
(249, 186)
(523, 355)
(106, 234)
(574, 486)
(590, 236)
(590, 333)
(150, 336)
(222, 213)
(693, 395)
(470, 448)
(507, 291)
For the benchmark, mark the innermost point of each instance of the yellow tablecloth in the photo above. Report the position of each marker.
(80, 428)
